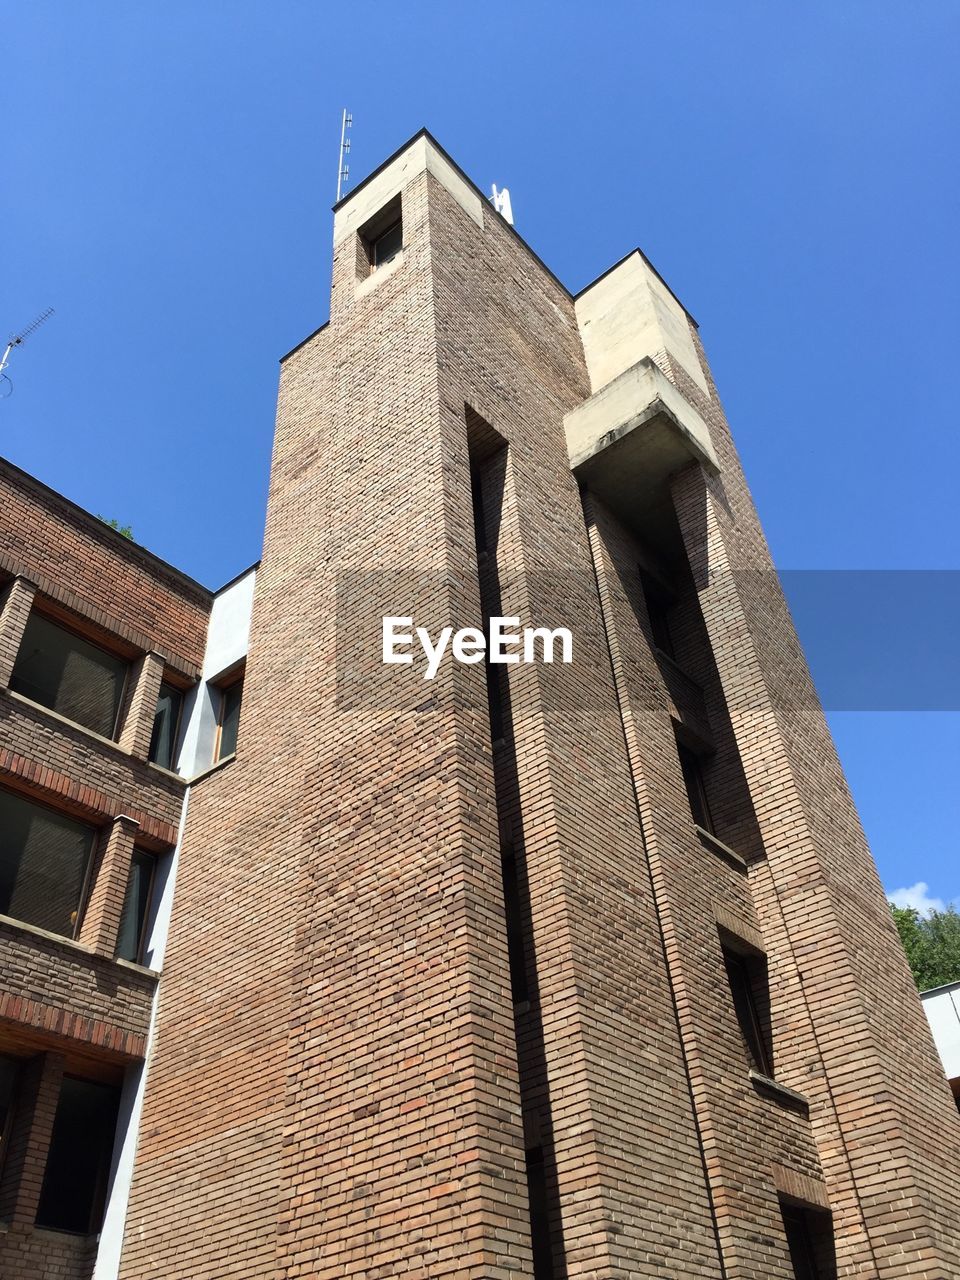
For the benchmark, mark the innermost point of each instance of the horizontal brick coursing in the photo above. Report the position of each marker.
(341, 1086)
(68, 767)
(76, 559)
(508, 345)
(61, 1005)
(740, 1131)
(27, 1253)
(61, 988)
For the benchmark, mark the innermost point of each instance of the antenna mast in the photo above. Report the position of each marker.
(18, 340)
(343, 173)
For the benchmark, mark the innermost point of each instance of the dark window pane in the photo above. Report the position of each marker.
(387, 246)
(135, 904)
(43, 862)
(696, 792)
(539, 1199)
(798, 1241)
(810, 1240)
(743, 976)
(516, 945)
(229, 719)
(69, 675)
(166, 721)
(78, 1163)
(8, 1076)
(659, 603)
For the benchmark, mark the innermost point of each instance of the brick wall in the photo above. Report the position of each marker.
(44, 535)
(90, 779)
(365, 1099)
(65, 1000)
(342, 1085)
(630, 1190)
(54, 986)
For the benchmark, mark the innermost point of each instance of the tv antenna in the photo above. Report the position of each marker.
(501, 202)
(343, 173)
(17, 340)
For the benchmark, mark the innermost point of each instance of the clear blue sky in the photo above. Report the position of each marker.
(167, 173)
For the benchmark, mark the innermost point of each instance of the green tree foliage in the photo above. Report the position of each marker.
(125, 531)
(932, 944)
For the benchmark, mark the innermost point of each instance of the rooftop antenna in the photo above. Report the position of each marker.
(343, 173)
(17, 340)
(501, 202)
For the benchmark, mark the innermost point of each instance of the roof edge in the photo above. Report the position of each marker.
(232, 582)
(303, 341)
(425, 133)
(101, 527)
(619, 263)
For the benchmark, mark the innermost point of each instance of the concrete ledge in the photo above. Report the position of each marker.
(377, 277)
(640, 395)
(212, 768)
(765, 1084)
(628, 440)
(708, 838)
(58, 989)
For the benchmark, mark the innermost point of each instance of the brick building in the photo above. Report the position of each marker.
(549, 970)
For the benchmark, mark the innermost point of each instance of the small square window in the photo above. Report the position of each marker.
(380, 240)
(386, 246)
(810, 1241)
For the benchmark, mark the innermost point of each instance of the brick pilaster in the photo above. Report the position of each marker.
(14, 613)
(101, 920)
(141, 705)
(35, 1106)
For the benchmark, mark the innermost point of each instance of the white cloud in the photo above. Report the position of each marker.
(917, 895)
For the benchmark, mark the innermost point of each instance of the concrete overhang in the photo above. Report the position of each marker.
(630, 438)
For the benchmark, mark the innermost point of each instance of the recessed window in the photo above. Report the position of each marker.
(8, 1080)
(386, 246)
(516, 948)
(747, 975)
(78, 1162)
(659, 603)
(133, 921)
(539, 1200)
(380, 240)
(43, 864)
(692, 769)
(810, 1241)
(71, 676)
(166, 726)
(228, 720)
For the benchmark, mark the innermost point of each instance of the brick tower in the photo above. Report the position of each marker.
(543, 970)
